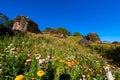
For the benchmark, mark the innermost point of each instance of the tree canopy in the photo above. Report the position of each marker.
(76, 34)
(63, 31)
(3, 18)
(9, 23)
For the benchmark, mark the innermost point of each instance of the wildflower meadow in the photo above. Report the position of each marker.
(46, 57)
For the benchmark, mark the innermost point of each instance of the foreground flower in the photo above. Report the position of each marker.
(19, 77)
(32, 79)
(28, 61)
(28, 55)
(41, 61)
(62, 61)
(13, 50)
(38, 56)
(40, 73)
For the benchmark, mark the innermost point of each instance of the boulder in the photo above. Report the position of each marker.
(23, 24)
(93, 37)
(116, 42)
(84, 42)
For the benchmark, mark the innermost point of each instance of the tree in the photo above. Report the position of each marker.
(63, 31)
(9, 23)
(3, 18)
(76, 34)
(48, 29)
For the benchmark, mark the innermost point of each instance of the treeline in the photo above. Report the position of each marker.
(60, 30)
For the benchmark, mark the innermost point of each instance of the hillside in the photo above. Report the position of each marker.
(47, 57)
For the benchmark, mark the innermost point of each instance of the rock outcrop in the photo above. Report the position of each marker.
(89, 39)
(93, 37)
(84, 42)
(23, 24)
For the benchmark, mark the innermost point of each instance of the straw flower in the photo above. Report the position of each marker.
(38, 56)
(40, 73)
(28, 61)
(62, 61)
(13, 50)
(19, 77)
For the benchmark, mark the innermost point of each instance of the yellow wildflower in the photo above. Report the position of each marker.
(40, 73)
(88, 76)
(69, 64)
(72, 62)
(32, 79)
(67, 67)
(101, 71)
(108, 66)
(61, 61)
(98, 75)
(19, 77)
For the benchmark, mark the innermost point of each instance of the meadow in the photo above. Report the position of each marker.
(46, 57)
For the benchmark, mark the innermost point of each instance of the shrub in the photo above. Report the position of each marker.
(76, 34)
(48, 30)
(63, 31)
(113, 55)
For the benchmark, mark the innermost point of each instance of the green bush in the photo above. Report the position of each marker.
(48, 29)
(63, 31)
(113, 55)
(76, 34)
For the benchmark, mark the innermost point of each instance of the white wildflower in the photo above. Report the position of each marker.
(41, 61)
(48, 58)
(83, 76)
(38, 56)
(13, 50)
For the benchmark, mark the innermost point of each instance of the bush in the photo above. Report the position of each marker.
(76, 34)
(113, 55)
(48, 30)
(63, 31)
(9, 23)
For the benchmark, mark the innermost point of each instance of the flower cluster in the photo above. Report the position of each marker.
(69, 64)
(11, 49)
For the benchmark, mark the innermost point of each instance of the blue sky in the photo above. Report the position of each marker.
(84, 16)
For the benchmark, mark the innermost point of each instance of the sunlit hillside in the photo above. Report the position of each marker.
(48, 57)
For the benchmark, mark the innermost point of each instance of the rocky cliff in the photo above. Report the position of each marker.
(93, 37)
(23, 23)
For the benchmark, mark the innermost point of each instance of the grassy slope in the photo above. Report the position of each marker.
(88, 62)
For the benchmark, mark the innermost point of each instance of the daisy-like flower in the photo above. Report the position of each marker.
(62, 61)
(28, 55)
(28, 61)
(48, 58)
(41, 61)
(40, 73)
(19, 77)
(38, 56)
(13, 50)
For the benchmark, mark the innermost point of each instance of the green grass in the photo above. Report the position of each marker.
(59, 58)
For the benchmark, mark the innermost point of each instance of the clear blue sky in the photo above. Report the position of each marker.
(84, 16)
